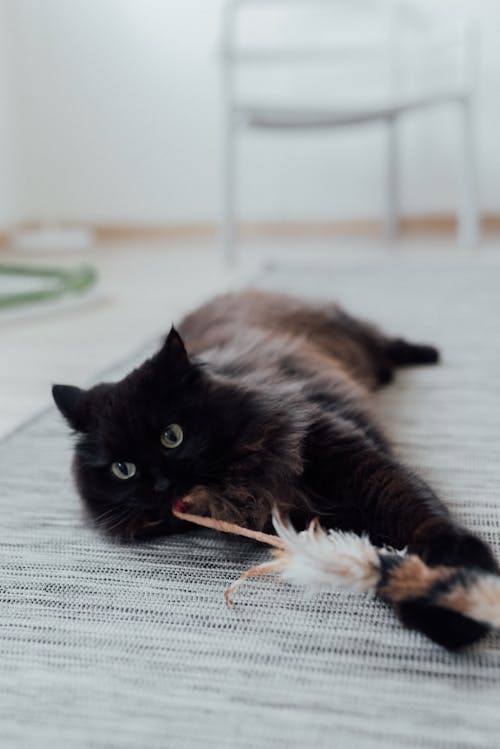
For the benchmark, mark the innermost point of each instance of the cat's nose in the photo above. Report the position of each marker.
(162, 484)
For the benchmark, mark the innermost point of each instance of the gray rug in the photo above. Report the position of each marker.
(106, 645)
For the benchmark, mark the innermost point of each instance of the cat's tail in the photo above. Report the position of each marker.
(420, 593)
(403, 353)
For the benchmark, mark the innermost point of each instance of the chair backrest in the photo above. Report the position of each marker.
(337, 49)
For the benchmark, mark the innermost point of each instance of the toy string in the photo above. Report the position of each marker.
(225, 527)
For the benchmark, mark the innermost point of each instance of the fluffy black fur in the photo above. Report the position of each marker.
(272, 399)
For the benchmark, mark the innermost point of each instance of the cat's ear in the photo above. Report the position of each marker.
(69, 401)
(174, 352)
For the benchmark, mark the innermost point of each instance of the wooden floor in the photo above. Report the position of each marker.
(143, 288)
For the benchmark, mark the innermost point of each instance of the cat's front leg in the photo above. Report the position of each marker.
(358, 485)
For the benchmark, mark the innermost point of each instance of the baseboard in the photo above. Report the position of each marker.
(207, 231)
(195, 230)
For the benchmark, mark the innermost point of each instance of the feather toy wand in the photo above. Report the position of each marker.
(344, 560)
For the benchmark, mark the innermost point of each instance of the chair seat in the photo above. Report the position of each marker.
(265, 115)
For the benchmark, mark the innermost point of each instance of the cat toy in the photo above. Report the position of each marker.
(346, 561)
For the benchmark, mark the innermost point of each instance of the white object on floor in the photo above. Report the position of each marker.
(49, 239)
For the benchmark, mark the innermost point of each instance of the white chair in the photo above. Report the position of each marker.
(417, 65)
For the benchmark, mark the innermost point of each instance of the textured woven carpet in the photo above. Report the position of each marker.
(106, 645)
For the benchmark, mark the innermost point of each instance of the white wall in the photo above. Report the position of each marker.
(118, 120)
(8, 184)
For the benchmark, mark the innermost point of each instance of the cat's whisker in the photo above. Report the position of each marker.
(110, 511)
(103, 522)
(124, 517)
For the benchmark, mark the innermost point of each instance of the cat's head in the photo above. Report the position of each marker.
(148, 440)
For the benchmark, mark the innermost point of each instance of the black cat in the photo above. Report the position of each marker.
(267, 403)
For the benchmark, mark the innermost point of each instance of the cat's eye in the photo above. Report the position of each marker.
(172, 436)
(123, 470)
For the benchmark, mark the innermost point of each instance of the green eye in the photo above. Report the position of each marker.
(172, 436)
(123, 470)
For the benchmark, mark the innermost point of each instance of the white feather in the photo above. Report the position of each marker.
(334, 558)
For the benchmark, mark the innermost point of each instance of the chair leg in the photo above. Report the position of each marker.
(468, 214)
(392, 194)
(228, 234)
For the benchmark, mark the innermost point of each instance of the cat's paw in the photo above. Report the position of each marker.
(449, 629)
(454, 547)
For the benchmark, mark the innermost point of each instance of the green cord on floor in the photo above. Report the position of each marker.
(65, 281)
